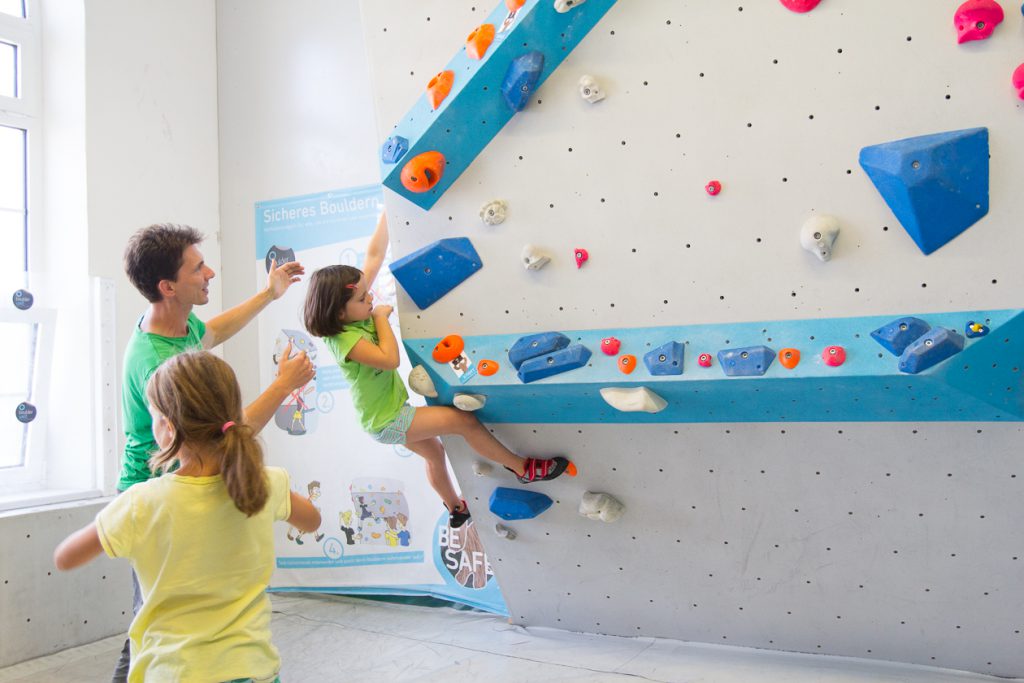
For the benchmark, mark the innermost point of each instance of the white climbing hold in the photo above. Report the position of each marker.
(563, 6)
(504, 532)
(494, 212)
(637, 400)
(534, 258)
(601, 506)
(590, 89)
(469, 402)
(818, 235)
(482, 469)
(420, 382)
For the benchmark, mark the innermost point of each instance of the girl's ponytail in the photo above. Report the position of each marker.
(198, 394)
(242, 468)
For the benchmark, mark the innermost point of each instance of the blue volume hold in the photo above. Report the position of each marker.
(393, 149)
(533, 345)
(897, 335)
(937, 185)
(667, 359)
(931, 349)
(752, 361)
(563, 360)
(521, 78)
(429, 273)
(518, 503)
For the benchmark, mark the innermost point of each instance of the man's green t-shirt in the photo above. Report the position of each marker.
(378, 395)
(143, 356)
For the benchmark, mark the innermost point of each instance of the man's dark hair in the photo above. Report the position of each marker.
(156, 253)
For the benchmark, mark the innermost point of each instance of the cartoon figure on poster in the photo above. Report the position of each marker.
(297, 414)
(379, 515)
(313, 489)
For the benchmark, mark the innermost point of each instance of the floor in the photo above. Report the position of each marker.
(334, 639)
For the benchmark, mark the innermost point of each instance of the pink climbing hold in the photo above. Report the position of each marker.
(1018, 81)
(800, 5)
(704, 360)
(834, 356)
(977, 19)
(713, 188)
(581, 257)
(610, 345)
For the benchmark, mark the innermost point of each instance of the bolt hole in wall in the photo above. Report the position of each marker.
(823, 520)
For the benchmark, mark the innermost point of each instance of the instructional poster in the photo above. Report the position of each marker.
(384, 529)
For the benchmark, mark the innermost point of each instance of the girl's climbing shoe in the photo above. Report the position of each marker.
(459, 517)
(538, 469)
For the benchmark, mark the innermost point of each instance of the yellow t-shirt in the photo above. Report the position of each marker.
(203, 567)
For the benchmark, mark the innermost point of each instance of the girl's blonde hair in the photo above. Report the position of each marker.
(198, 394)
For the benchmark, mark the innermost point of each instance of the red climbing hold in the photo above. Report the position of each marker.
(704, 360)
(581, 257)
(610, 345)
(977, 19)
(1018, 81)
(713, 188)
(800, 5)
(834, 356)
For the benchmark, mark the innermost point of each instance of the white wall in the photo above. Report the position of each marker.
(898, 541)
(133, 106)
(295, 117)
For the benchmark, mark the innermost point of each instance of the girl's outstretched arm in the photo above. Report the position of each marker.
(376, 251)
(304, 516)
(77, 549)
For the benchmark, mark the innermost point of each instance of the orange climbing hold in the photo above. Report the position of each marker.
(479, 40)
(439, 87)
(789, 358)
(627, 363)
(487, 367)
(448, 349)
(571, 470)
(514, 5)
(423, 171)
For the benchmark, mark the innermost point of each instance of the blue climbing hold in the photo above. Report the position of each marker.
(533, 345)
(752, 361)
(931, 349)
(974, 329)
(667, 359)
(518, 503)
(900, 333)
(431, 272)
(393, 149)
(521, 78)
(554, 363)
(937, 185)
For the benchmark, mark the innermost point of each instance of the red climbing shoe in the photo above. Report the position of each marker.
(538, 469)
(459, 517)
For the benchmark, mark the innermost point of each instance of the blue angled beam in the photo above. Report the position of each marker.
(475, 110)
(980, 383)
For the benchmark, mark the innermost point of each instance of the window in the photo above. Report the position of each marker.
(22, 329)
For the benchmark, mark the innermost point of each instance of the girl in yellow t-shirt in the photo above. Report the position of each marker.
(339, 308)
(199, 538)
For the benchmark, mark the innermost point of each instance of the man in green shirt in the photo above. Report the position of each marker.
(166, 266)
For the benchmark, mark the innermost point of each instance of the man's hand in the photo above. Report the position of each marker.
(381, 311)
(294, 372)
(280, 279)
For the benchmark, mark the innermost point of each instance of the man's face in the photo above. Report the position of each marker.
(193, 283)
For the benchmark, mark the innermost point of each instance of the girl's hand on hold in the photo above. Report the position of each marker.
(382, 311)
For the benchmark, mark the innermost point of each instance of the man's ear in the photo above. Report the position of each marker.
(166, 288)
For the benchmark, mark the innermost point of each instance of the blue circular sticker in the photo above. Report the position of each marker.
(23, 299)
(25, 412)
(333, 548)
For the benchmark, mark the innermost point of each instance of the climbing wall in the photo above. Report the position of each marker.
(891, 535)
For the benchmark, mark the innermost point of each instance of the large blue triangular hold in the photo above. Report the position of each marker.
(937, 185)
(429, 273)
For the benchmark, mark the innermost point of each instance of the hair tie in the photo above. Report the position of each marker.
(227, 425)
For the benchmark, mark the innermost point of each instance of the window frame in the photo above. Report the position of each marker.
(25, 112)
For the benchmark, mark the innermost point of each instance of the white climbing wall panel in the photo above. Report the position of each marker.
(899, 541)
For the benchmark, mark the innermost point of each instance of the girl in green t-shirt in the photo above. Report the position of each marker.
(339, 308)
